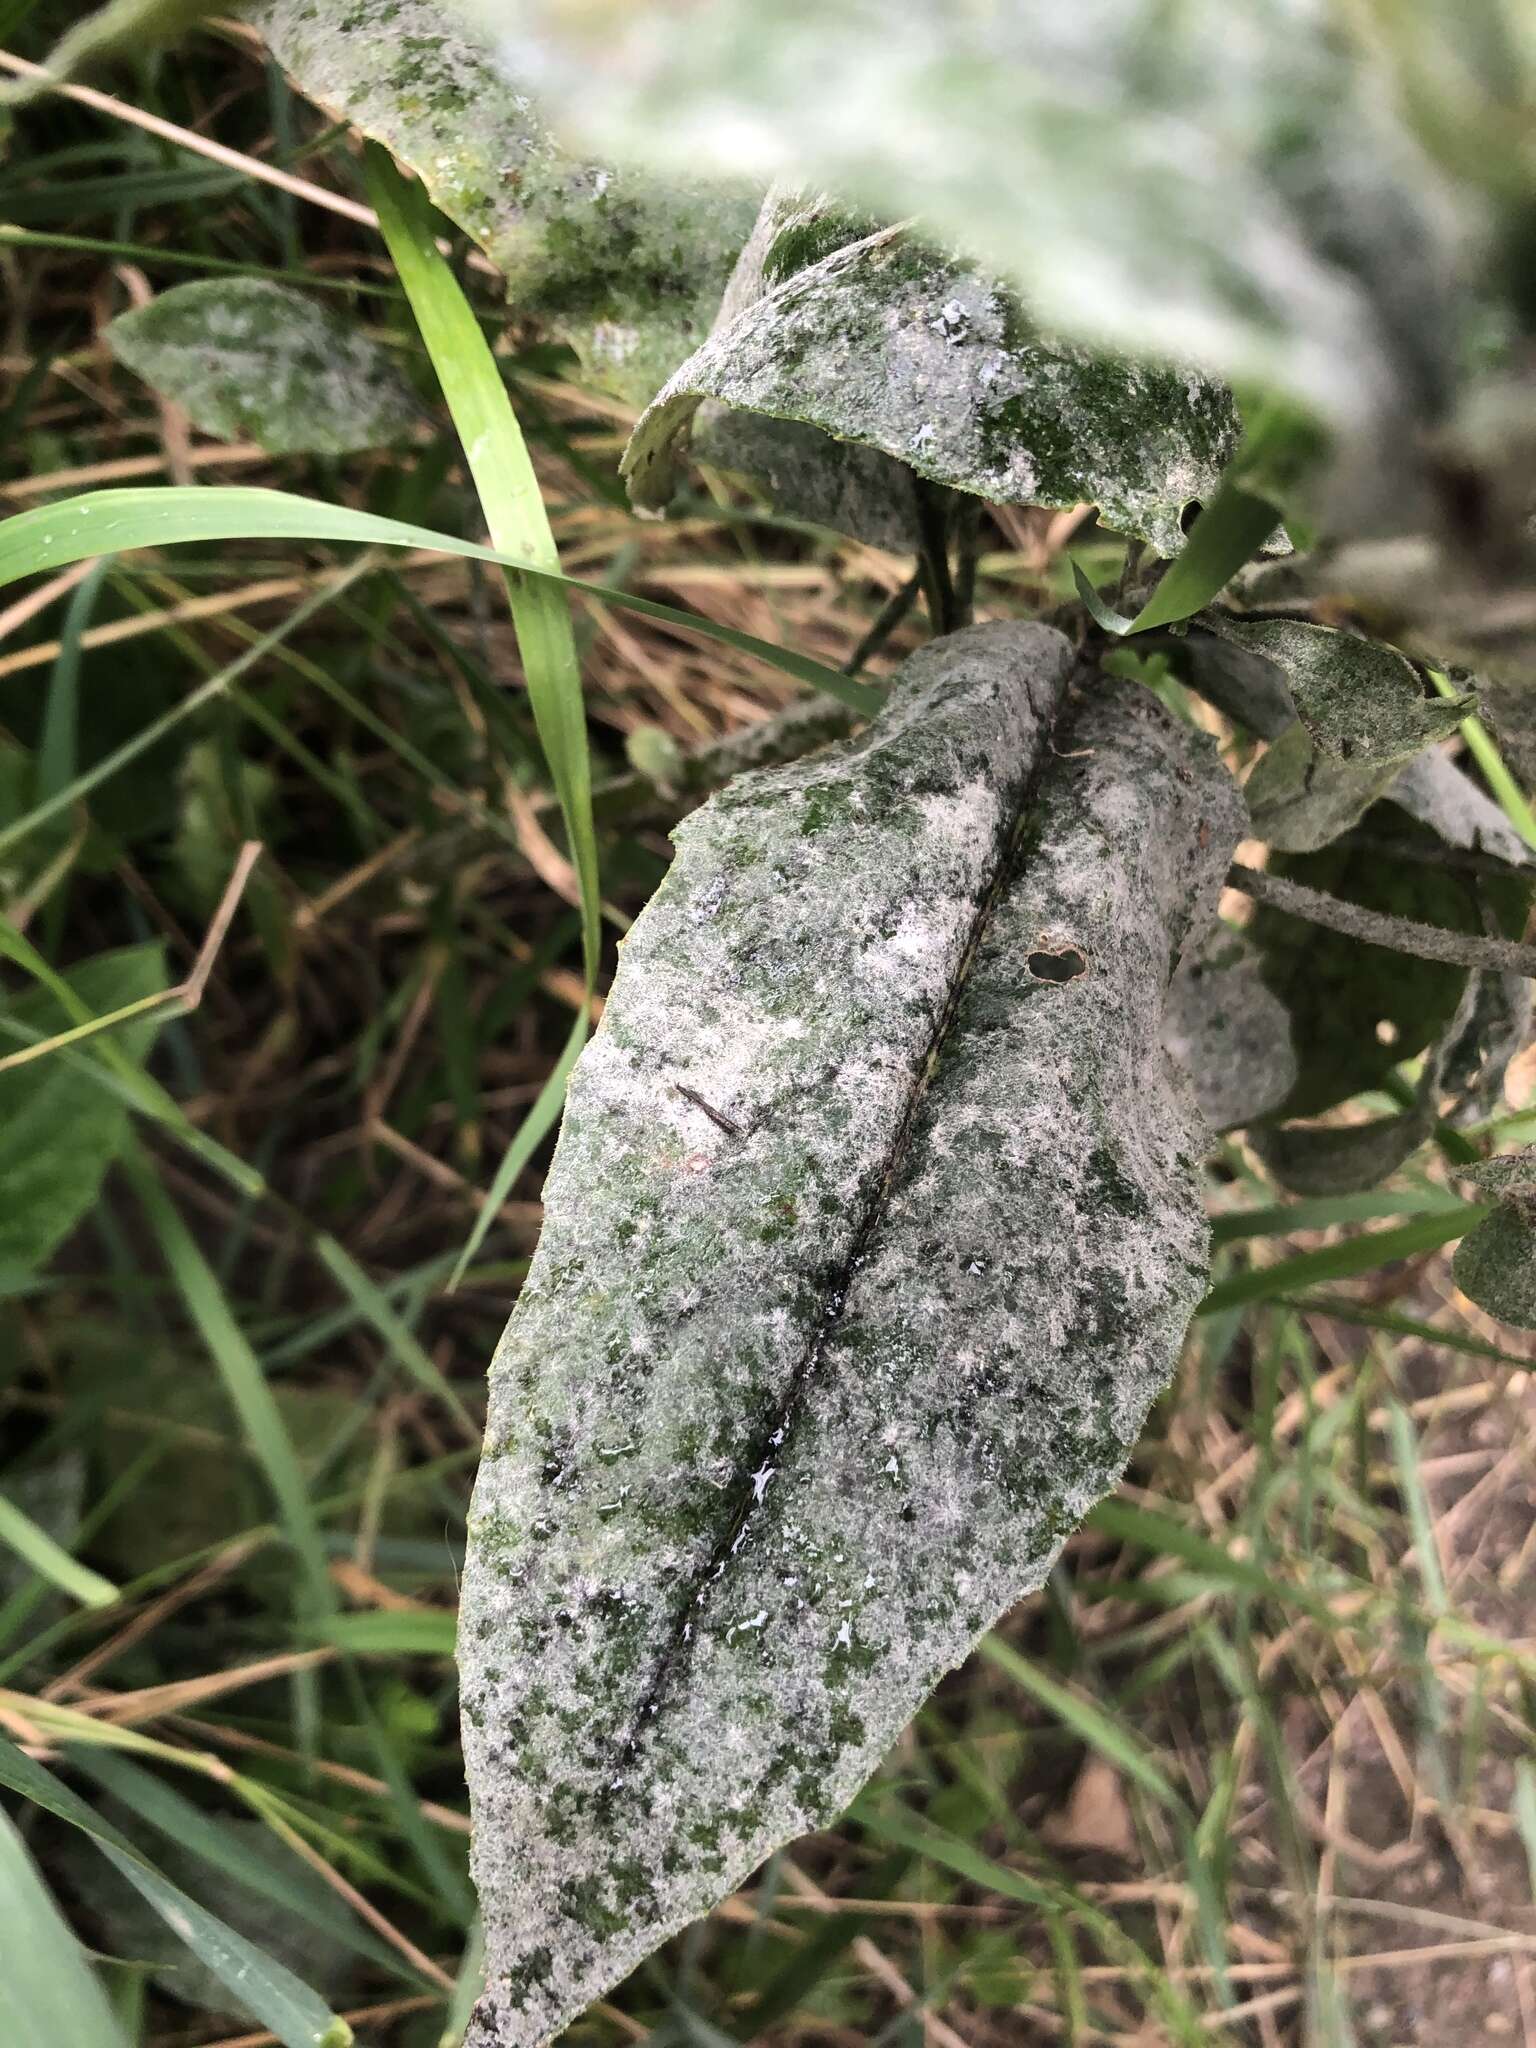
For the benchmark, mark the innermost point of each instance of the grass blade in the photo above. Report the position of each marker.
(1342, 1261)
(514, 512)
(243, 1378)
(262, 1986)
(49, 1995)
(1088, 1722)
(168, 515)
(535, 1127)
(18, 1532)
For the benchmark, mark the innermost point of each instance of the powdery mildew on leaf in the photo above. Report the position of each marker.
(872, 1233)
(626, 266)
(1496, 1263)
(803, 472)
(890, 345)
(1231, 186)
(1229, 1031)
(249, 359)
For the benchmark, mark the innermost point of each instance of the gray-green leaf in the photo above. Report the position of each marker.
(59, 1129)
(1230, 1032)
(1235, 188)
(872, 1232)
(628, 267)
(1496, 1263)
(892, 346)
(253, 360)
(1361, 715)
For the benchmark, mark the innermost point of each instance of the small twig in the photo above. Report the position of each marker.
(1373, 928)
(717, 1117)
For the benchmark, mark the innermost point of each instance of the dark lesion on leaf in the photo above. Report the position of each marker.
(1058, 964)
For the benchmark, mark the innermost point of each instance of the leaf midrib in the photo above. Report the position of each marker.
(779, 1426)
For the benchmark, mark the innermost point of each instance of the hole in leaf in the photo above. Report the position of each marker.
(1386, 1032)
(1065, 965)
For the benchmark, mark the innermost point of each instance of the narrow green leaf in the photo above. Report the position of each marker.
(49, 1995)
(295, 1888)
(18, 1532)
(1342, 1261)
(1405, 1450)
(1230, 530)
(243, 1379)
(271, 1993)
(1165, 1537)
(428, 1633)
(1088, 1722)
(514, 512)
(541, 1119)
(114, 521)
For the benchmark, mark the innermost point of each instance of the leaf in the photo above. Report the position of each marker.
(1439, 794)
(111, 522)
(627, 267)
(806, 474)
(1495, 1265)
(1245, 686)
(48, 1559)
(1358, 701)
(1229, 1032)
(1357, 1010)
(891, 345)
(1364, 1254)
(48, 1992)
(803, 472)
(872, 1232)
(252, 360)
(273, 1994)
(113, 30)
(1265, 216)
(1342, 1158)
(1361, 715)
(59, 1131)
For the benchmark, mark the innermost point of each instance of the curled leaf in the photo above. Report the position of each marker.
(1359, 701)
(253, 360)
(1361, 715)
(872, 1233)
(626, 266)
(891, 345)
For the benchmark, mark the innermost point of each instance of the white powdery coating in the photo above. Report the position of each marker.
(789, 1413)
(247, 358)
(1230, 1032)
(892, 346)
(626, 266)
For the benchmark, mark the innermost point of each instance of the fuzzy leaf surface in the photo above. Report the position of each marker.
(872, 1233)
(252, 360)
(625, 265)
(896, 348)
(1234, 188)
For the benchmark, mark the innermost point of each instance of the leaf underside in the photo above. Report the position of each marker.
(872, 1233)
